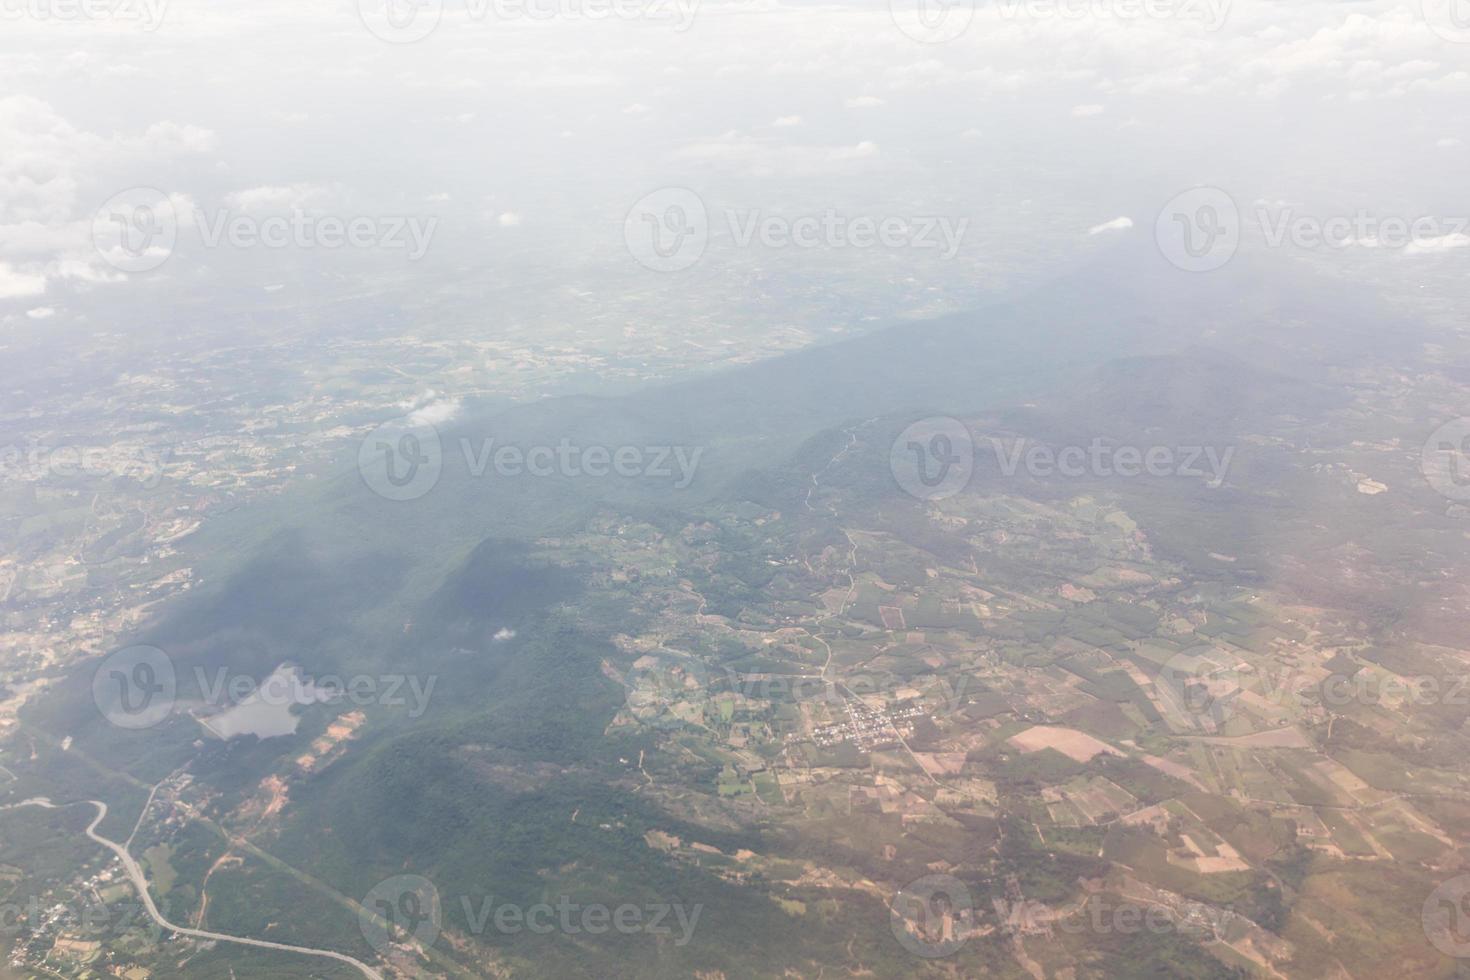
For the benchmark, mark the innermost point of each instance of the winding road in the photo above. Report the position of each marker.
(140, 882)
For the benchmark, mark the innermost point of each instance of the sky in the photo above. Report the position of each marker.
(674, 149)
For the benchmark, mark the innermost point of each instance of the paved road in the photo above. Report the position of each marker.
(140, 882)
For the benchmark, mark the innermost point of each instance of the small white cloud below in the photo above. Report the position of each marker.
(865, 102)
(787, 121)
(430, 409)
(503, 634)
(1433, 246)
(41, 313)
(1122, 223)
(1087, 111)
(294, 197)
(509, 219)
(14, 284)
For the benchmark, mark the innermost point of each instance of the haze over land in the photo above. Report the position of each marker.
(734, 489)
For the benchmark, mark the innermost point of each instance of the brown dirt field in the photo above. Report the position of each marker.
(1070, 742)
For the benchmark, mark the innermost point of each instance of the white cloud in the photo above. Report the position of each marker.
(171, 138)
(41, 313)
(15, 284)
(1433, 246)
(294, 197)
(430, 409)
(1177, 82)
(765, 158)
(1117, 224)
(509, 219)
